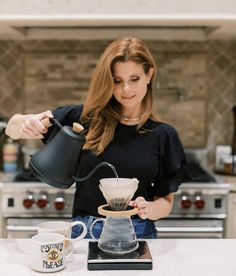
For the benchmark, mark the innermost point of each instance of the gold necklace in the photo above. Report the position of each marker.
(130, 119)
(127, 119)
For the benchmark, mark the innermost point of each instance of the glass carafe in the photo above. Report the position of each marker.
(118, 235)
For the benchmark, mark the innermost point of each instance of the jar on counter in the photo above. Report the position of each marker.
(230, 165)
(27, 153)
(10, 156)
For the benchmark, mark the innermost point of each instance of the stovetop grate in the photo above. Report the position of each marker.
(199, 174)
(25, 175)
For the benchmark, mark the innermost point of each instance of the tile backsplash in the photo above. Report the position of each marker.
(195, 88)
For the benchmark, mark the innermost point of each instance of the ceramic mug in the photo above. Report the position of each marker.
(62, 227)
(48, 253)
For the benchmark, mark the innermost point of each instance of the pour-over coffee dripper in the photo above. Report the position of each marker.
(118, 236)
(118, 193)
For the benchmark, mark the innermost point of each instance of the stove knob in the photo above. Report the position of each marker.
(28, 201)
(199, 202)
(59, 203)
(42, 202)
(185, 201)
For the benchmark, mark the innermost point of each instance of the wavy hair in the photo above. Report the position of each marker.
(101, 112)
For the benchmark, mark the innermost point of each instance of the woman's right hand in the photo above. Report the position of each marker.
(27, 126)
(33, 126)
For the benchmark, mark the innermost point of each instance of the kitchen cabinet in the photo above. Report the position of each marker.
(1, 216)
(231, 214)
(231, 220)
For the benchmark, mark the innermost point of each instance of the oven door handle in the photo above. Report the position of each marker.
(190, 229)
(14, 228)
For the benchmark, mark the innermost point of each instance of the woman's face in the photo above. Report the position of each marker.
(130, 83)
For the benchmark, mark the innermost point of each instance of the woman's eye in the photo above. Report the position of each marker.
(117, 81)
(135, 79)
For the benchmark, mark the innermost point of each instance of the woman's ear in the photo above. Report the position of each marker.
(149, 74)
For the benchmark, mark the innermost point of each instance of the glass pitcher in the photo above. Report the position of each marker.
(118, 236)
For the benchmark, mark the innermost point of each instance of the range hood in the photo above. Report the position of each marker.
(112, 32)
(152, 29)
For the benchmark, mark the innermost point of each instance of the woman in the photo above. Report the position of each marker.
(121, 129)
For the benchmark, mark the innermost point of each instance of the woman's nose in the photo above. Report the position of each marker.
(126, 87)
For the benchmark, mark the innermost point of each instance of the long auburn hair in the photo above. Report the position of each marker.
(101, 112)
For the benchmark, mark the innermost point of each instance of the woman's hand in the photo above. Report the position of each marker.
(153, 210)
(144, 207)
(33, 126)
(27, 126)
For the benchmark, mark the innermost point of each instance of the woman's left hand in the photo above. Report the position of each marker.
(144, 207)
(160, 207)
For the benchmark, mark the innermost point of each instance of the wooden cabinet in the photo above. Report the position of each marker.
(230, 222)
(231, 218)
(1, 218)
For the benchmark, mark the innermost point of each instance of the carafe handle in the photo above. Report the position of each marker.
(91, 228)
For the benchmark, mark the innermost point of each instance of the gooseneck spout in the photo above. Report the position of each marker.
(95, 169)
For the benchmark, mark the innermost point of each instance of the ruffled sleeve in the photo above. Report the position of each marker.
(173, 168)
(66, 115)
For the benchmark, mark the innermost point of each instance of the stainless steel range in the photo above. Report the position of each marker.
(200, 206)
(24, 205)
(199, 211)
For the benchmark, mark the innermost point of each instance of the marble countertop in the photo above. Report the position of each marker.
(229, 179)
(192, 257)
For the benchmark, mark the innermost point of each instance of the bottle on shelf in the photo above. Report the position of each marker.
(234, 141)
(10, 155)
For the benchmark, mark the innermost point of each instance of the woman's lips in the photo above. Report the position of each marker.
(128, 98)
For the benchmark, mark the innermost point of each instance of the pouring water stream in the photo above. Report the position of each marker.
(95, 169)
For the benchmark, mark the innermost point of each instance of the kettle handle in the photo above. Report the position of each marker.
(47, 122)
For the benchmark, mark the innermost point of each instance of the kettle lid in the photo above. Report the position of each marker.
(67, 130)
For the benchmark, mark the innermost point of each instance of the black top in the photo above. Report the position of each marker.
(156, 158)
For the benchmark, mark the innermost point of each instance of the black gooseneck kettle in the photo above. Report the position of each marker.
(56, 163)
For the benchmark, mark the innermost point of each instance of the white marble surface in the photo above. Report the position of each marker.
(170, 257)
(229, 179)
